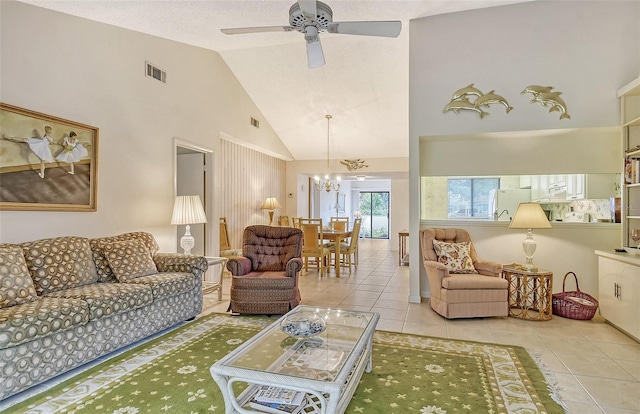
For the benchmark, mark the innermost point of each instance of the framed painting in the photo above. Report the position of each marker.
(46, 163)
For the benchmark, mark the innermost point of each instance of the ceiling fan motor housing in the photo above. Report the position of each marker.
(324, 16)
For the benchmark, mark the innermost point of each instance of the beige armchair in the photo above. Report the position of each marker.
(463, 294)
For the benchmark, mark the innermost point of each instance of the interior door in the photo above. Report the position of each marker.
(191, 180)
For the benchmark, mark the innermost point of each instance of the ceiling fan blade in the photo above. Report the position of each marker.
(243, 30)
(384, 29)
(315, 55)
(309, 9)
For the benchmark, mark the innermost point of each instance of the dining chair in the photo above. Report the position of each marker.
(310, 220)
(312, 246)
(225, 241)
(283, 221)
(296, 222)
(348, 249)
(339, 223)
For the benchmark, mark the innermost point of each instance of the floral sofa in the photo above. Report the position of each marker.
(66, 301)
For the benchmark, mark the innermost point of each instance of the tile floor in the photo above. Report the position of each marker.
(596, 366)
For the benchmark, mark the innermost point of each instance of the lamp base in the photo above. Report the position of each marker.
(271, 217)
(187, 241)
(529, 246)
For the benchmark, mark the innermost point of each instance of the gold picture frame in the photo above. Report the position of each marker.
(46, 163)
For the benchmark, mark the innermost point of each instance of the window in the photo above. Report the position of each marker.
(374, 207)
(469, 197)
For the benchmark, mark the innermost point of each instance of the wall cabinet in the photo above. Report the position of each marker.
(619, 290)
(568, 187)
(592, 186)
(630, 110)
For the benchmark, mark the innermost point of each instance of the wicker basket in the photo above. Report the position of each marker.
(574, 304)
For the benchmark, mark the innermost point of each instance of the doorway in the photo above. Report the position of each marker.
(374, 210)
(193, 166)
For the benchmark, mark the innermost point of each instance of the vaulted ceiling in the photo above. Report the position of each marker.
(364, 84)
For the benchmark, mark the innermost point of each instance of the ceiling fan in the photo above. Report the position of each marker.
(312, 17)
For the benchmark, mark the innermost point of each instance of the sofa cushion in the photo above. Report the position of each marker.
(128, 259)
(59, 263)
(105, 299)
(166, 283)
(16, 285)
(105, 274)
(456, 256)
(22, 323)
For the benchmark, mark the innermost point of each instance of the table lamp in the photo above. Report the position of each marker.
(529, 216)
(270, 204)
(188, 210)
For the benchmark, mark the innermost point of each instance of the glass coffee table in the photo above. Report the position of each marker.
(326, 366)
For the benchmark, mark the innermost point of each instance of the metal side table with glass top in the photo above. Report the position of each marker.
(326, 365)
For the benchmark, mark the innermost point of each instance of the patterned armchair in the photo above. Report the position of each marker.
(265, 278)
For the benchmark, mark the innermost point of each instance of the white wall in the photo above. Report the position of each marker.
(586, 50)
(93, 73)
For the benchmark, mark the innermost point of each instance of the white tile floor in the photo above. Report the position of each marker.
(597, 367)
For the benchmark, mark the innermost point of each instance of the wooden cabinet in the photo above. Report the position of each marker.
(619, 290)
(630, 110)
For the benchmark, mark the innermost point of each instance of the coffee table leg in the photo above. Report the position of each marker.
(369, 366)
(222, 382)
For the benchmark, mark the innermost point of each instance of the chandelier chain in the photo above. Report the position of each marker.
(327, 185)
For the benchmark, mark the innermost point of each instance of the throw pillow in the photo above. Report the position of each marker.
(16, 285)
(455, 256)
(129, 259)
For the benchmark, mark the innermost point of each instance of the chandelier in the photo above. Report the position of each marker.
(327, 185)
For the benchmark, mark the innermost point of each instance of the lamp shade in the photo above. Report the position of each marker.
(529, 216)
(188, 210)
(270, 204)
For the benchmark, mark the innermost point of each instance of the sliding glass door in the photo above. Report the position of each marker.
(374, 208)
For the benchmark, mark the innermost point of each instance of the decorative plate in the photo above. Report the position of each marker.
(303, 324)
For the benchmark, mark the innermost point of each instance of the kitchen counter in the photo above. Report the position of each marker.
(630, 258)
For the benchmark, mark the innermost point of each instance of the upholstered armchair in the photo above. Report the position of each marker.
(461, 284)
(265, 278)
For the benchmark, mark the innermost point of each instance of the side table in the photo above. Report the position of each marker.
(530, 292)
(403, 257)
(208, 286)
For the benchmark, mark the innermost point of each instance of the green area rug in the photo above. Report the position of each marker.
(411, 374)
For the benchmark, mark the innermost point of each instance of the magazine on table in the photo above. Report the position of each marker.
(297, 404)
(272, 394)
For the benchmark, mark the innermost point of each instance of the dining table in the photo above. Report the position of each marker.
(336, 237)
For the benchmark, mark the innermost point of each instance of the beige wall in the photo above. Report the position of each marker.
(394, 168)
(93, 73)
(248, 177)
(512, 53)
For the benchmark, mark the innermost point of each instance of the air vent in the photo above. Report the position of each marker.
(255, 122)
(156, 73)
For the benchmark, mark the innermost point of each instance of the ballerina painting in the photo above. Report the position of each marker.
(46, 163)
